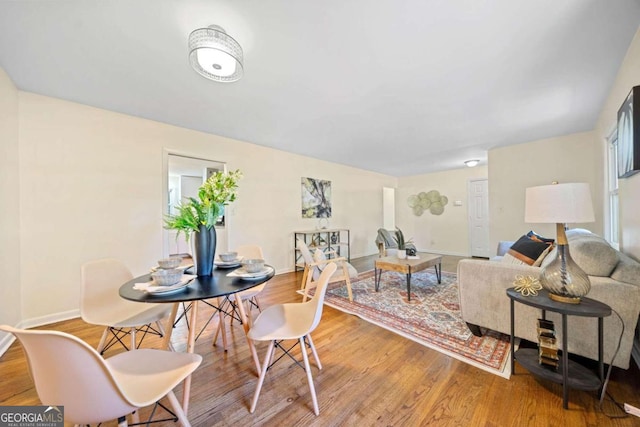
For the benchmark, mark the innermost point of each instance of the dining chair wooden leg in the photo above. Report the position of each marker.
(191, 341)
(307, 368)
(132, 332)
(263, 372)
(166, 342)
(314, 352)
(245, 326)
(162, 331)
(103, 340)
(135, 417)
(177, 409)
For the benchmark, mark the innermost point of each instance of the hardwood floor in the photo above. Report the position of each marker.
(370, 377)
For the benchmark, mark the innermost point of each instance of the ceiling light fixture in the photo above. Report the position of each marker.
(472, 163)
(215, 55)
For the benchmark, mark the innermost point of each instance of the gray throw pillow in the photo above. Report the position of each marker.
(594, 255)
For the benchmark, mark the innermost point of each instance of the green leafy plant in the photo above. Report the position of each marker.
(399, 238)
(217, 191)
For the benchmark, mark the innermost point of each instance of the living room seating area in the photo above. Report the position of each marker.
(615, 280)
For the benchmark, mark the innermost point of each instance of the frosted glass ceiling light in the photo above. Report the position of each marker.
(471, 163)
(215, 55)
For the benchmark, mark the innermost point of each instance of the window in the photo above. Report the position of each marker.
(613, 230)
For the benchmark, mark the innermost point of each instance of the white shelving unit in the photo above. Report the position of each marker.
(333, 241)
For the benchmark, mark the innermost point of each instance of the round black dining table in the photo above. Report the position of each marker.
(201, 287)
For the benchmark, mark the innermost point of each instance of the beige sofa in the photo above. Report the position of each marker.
(615, 280)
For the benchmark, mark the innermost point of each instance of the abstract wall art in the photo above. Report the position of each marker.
(316, 198)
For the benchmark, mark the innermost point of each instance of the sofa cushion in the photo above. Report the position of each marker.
(527, 251)
(591, 252)
(627, 270)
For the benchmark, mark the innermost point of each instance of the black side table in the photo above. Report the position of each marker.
(570, 373)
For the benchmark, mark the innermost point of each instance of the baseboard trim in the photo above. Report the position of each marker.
(7, 340)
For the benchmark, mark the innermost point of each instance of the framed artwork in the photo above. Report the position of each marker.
(316, 198)
(629, 135)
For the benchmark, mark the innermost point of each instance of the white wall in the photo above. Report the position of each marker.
(10, 291)
(447, 233)
(571, 158)
(629, 188)
(92, 187)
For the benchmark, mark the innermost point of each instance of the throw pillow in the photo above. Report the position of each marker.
(535, 236)
(528, 251)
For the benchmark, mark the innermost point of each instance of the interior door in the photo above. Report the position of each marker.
(479, 218)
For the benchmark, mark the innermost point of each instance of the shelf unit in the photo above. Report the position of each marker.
(332, 241)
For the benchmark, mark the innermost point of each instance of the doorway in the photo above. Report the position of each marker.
(479, 217)
(184, 176)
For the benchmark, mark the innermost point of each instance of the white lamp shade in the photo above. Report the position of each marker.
(559, 203)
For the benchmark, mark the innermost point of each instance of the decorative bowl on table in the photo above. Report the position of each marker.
(167, 277)
(253, 265)
(169, 263)
(228, 256)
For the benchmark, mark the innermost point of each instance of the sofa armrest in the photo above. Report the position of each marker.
(482, 289)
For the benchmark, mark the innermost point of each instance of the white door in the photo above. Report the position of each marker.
(479, 217)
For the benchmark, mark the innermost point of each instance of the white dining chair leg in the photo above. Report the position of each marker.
(314, 352)
(177, 409)
(309, 376)
(263, 373)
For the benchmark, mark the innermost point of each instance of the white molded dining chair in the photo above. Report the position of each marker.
(248, 297)
(67, 371)
(314, 264)
(100, 304)
(291, 321)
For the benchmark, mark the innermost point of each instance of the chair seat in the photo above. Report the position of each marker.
(146, 373)
(281, 322)
(250, 293)
(130, 315)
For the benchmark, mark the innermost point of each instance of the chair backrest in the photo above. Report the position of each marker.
(250, 252)
(100, 281)
(304, 251)
(321, 289)
(385, 236)
(67, 371)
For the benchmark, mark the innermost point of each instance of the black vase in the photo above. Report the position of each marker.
(205, 250)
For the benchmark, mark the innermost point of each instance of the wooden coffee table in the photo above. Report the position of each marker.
(408, 266)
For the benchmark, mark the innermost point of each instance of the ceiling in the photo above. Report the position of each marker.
(401, 87)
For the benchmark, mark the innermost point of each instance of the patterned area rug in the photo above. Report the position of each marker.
(432, 317)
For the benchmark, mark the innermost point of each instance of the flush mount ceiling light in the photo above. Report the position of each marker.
(215, 55)
(472, 163)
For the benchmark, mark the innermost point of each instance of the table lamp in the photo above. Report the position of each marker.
(561, 204)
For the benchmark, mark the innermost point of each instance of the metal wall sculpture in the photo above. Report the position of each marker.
(431, 201)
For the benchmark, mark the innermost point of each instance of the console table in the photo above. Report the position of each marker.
(570, 374)
(329, 240)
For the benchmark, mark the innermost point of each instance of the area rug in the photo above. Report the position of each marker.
(432, 317)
